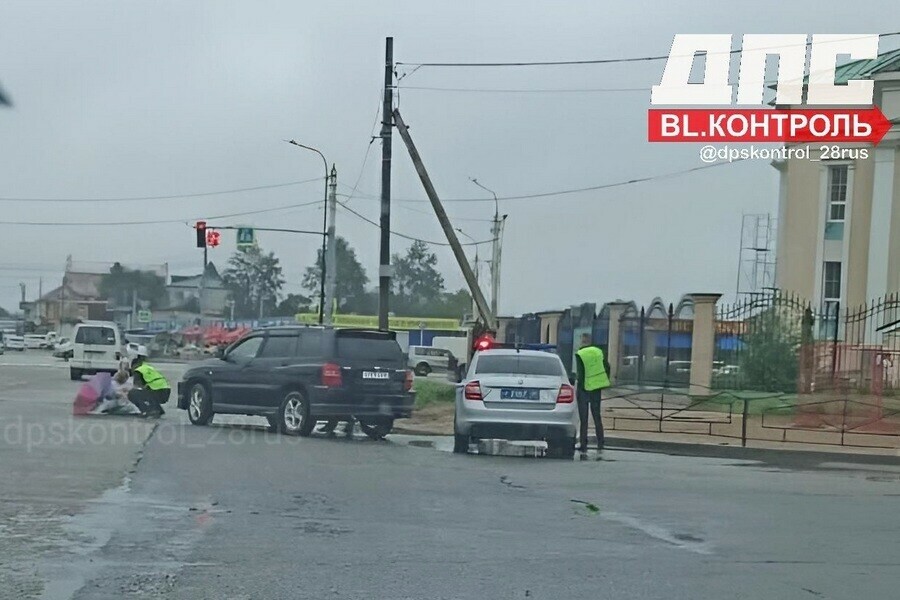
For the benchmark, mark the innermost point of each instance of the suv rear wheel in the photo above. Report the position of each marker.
(293, 415)
(75, 374)
(200, 410)
(423, 369)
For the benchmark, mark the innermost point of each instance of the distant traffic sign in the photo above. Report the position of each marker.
(144, 316)
(246, 237)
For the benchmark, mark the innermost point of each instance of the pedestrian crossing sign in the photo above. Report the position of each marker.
(246, 237)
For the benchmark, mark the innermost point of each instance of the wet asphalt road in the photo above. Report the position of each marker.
(232, 512)
(228, 512)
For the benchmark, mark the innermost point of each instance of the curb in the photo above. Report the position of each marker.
(785, 457)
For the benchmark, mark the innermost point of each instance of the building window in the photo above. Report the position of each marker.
(837, 193)
(831, 288)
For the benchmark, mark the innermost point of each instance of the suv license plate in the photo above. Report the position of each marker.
(376, 375)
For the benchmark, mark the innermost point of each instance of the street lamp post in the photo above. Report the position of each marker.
(324, 231)
(496, 234)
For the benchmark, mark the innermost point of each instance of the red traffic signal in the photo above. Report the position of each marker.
(201, 234)
(212, 238)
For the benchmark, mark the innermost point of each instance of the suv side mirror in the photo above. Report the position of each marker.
(220, 352)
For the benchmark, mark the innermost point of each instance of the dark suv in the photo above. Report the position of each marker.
(295, 376)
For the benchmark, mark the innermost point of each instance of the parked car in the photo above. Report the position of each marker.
(296, 376)
(728, 370)
(426, 359)
(99, 346)
(63, 349)
(516, 395)
(34, 341)
(14, 342)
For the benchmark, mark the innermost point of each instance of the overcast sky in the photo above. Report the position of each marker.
(120, 99)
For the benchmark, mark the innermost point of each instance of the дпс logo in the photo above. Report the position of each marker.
(766, 125)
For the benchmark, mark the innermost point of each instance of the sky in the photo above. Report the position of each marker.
(122, 99)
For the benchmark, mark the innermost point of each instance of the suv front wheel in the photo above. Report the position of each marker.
(293, 415)
(199, 404)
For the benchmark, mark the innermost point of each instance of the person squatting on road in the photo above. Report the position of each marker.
(592, 377)
(151, 390)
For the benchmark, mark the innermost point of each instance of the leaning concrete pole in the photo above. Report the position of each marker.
(467, 272)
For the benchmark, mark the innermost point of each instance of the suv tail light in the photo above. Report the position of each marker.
(408, 384)
(331, 375)
(566, 394)
(473, 391)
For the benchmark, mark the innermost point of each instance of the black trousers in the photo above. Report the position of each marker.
(590, 400)
(149, 401)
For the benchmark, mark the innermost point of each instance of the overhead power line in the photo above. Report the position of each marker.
(155, 222)
(525, 90)
(556, 63)
(573, 190)
(372, 138)
(170, 197)
(405, 236)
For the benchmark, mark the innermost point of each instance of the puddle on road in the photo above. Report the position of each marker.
(682, 540)
(99, 543)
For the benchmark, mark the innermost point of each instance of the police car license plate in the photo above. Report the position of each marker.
(520, 394)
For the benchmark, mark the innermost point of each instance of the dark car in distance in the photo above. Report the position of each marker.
(296, 376)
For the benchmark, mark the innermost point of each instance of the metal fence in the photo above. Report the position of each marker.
(778, 342)
(655, 346)
(761, 341)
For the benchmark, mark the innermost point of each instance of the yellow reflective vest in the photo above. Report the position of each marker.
(153, 379)
(595, 375)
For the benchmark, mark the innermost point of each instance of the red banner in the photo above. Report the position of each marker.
(866, 125)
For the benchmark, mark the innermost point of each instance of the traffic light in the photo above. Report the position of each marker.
(201, 234)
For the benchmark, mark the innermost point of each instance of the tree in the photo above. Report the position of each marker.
(254, 280)
(455, 304)
(121, 284)
(291, 305)
(770, 357)
(350, 286)
(4, 314)
(416, 283)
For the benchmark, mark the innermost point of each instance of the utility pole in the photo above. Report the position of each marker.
(384, 268)
(133, 308)
(496, 235)
(331, 255)
(458, 252)
(22, 288)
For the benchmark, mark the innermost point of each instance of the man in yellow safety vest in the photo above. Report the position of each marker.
(151, 390)
(592, 376)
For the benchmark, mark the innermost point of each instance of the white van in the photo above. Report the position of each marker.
(98, 346)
